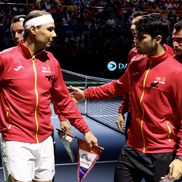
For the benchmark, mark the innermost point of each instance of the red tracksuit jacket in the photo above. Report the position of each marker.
(124, 107)
(155, 84)
(27, 85)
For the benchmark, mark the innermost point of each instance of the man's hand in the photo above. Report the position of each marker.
(120, 122)
(90, 139)
(175, 169)
(77, 94)
(65, 127)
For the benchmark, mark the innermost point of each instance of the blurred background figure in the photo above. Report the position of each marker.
(17, 27)
(177, 40)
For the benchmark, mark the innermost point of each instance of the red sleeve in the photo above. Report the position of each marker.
(1, 68)
(56, 110)
(177, 90)
(61, 117)
(109, 90)
(179, 149)
(65, 105)
(131, 54)
(124, 106)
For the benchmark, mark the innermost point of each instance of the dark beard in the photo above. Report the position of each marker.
(148, 50)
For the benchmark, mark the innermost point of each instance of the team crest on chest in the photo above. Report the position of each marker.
(46, 69)
(161, 80)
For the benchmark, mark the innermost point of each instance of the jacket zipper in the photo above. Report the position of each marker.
(10, 122)
(143, 112)
(169, 131)
(36, 101)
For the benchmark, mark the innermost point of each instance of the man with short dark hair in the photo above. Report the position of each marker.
(177, 40)
(124, 108)
(17, 28)
(154, 139)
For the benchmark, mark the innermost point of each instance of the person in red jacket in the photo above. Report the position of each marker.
(124, 116)
(121, 120)
(30, 77)
(177, 40)
(153, 147)
(17, 28)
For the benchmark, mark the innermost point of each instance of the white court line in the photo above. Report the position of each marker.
(71, 164)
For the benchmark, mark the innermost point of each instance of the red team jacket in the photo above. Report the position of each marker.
(28, 82)
(156, 102)
(124, 107)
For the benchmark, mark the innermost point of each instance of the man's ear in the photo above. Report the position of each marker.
(158, 39)
(33, 30)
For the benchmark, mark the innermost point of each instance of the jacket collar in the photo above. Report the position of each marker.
(26, 52)
(160, 58)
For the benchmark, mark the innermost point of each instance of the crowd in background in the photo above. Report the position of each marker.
(88, 31)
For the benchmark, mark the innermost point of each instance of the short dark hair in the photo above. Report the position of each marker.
(18, 18)
(178, 25)
(137, 13)
(154, 24)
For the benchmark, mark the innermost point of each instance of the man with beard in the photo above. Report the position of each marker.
(177, 40)
(17, 28)
(153, 77)
(30, 77)
(124, 116)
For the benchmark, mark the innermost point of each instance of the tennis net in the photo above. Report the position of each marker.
(102, 111)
